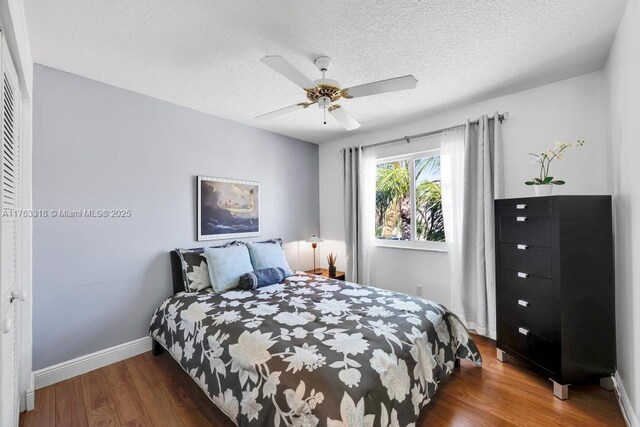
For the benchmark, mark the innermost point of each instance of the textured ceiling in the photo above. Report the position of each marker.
(206, 54)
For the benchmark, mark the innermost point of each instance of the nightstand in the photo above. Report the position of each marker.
(325, 273)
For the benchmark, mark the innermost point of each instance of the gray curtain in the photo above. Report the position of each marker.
(352, 160)
(482, 185)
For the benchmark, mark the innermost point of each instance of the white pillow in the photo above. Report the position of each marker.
(226, 265)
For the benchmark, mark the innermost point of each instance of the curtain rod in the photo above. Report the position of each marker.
(407, 139)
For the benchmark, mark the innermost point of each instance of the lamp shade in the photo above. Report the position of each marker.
(314, 239)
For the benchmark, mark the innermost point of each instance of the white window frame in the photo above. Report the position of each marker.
(422, 245)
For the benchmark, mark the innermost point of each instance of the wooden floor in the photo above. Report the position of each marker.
(154, 391)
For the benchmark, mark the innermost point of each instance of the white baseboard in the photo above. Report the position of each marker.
(30, 399)
(625, 403)
(83, 364)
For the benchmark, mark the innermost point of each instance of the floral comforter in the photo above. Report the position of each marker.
(313, 351)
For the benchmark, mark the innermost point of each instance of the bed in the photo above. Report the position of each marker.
(313, 351)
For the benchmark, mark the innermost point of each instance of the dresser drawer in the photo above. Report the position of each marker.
(525, 209)
(526, 230)
(536, 290)
(526, 258)
(537, 319)
(530, 346)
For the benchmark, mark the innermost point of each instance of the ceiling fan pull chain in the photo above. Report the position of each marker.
(324, 114)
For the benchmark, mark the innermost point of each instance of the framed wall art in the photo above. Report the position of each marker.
(227, 208)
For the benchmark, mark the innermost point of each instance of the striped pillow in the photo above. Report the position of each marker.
(259, 278)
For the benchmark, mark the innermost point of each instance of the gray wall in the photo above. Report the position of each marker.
(96, 282)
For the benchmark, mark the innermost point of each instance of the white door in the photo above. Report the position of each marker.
(10, 103)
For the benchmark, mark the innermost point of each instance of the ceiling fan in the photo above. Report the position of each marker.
(325, 92)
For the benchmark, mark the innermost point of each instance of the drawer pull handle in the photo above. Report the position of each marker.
(523, 331)
(521, 218)
(523, 247)
(523, 275)
(523, 302)
(519, 207)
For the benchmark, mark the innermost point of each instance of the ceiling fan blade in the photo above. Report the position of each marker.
(343, 116)
(283, 111)
(289, 71)
(382, 86)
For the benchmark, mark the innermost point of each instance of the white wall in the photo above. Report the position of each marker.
(566, 110)
(622, 74)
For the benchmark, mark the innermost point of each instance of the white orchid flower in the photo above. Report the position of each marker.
(544, 160)
(561, 145)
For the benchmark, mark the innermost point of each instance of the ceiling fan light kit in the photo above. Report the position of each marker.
(325, 92)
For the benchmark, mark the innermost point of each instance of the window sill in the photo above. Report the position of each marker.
(412, 248)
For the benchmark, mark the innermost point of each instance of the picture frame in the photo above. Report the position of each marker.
(227, 208)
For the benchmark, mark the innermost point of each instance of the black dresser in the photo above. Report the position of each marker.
(555, 298)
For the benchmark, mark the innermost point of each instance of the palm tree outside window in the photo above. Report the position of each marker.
(409, 201)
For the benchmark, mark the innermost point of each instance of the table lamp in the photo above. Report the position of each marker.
(314, 240)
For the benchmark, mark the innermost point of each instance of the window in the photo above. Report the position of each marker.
(408, 210)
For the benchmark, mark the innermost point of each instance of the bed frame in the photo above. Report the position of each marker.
(176, 272)
(178, 286)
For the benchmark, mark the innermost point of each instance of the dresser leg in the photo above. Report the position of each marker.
(607, 383)
(561, 391)
(501, 355)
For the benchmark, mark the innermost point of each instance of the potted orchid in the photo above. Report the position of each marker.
(543, 184)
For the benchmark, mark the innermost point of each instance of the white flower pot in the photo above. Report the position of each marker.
(543, 190)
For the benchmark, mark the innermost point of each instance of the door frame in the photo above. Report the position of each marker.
(14, 31)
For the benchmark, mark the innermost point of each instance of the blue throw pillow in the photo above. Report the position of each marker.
(195, 273)
(268, 255)
(226, 265)
(259, 278)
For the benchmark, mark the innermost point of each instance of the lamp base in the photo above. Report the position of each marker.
(314, 246)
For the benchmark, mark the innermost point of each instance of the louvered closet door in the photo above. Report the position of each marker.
(10, 244)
